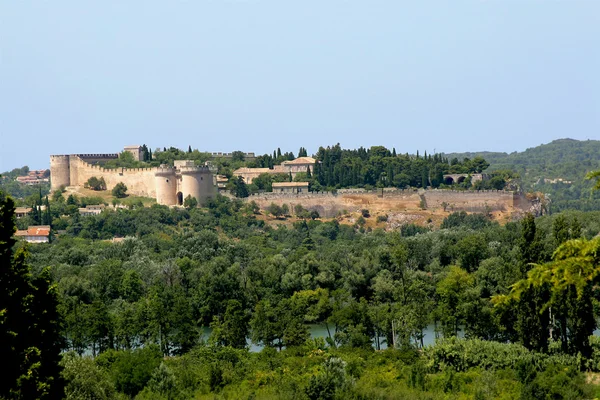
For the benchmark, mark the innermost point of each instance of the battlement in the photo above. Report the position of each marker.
(169, 185)
(194, 170)
(109, 156)
(229, 155)
(165, 171)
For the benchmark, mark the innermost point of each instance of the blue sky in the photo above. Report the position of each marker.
(503, 75)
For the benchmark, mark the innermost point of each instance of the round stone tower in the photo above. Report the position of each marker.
(60, 172)
(197, 182)
(166, 186)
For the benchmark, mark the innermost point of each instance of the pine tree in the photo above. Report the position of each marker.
(308, 174)
(278, 152)
(189, 149)
(394, 152)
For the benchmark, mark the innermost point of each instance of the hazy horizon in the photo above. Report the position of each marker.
(465, 76)
(270, 151)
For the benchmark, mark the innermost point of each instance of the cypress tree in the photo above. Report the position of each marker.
(47, 215)
(424, 178)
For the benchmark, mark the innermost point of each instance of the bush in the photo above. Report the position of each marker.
(463, 354)
(275, 210)
(382, 218)
(461, 218)
(120, 190)
(96, 184)
(131, 370)
(190, 202)
(365, 213)
(84, 380)
(408, 230)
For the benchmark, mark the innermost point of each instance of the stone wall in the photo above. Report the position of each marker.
(329, 204)
(139, 181)
(472, 201)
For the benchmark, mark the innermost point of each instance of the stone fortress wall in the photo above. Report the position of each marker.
(329, 204)
(169, 186)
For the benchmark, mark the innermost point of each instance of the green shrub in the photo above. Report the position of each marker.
(463, 354)
(120, 190)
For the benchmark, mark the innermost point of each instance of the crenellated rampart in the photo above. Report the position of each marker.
(139, 181)
(329, 204)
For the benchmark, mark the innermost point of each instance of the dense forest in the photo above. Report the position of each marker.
(216, 302)
(223, 301)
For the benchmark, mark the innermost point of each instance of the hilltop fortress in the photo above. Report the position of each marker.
(171, 185)
(168, 185)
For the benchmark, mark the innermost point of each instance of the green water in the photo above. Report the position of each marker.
(320, 331)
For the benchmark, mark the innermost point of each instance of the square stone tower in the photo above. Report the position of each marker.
(136, 151)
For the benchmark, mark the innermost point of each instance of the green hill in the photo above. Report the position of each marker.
(557, 168)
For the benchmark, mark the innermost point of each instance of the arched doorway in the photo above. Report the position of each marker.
(448, 180)
(461, 179)
(179, 198)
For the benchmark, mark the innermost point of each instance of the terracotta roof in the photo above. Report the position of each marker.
(41, 230)
(289, 184)
(301, 160)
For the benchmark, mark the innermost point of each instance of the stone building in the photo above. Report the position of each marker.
(450, 179)
(35, 234)
(293, 167)
(91, 209)
(21, 212)
(290, 187)
(136, 151)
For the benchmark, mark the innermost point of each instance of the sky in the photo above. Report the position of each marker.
(95, 76)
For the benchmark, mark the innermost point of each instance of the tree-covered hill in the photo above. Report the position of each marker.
(557, 168)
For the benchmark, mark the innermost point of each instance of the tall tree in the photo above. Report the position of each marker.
(29, 338)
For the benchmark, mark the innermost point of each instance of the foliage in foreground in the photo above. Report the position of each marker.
(312, 371)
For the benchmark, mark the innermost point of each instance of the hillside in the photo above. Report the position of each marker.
(557, 168)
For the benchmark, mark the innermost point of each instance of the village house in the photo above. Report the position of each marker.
(21, 212)
(34, 177)
(290, 187)
(222, 182)
(301, 164)
(35, 234)
(91, 209)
